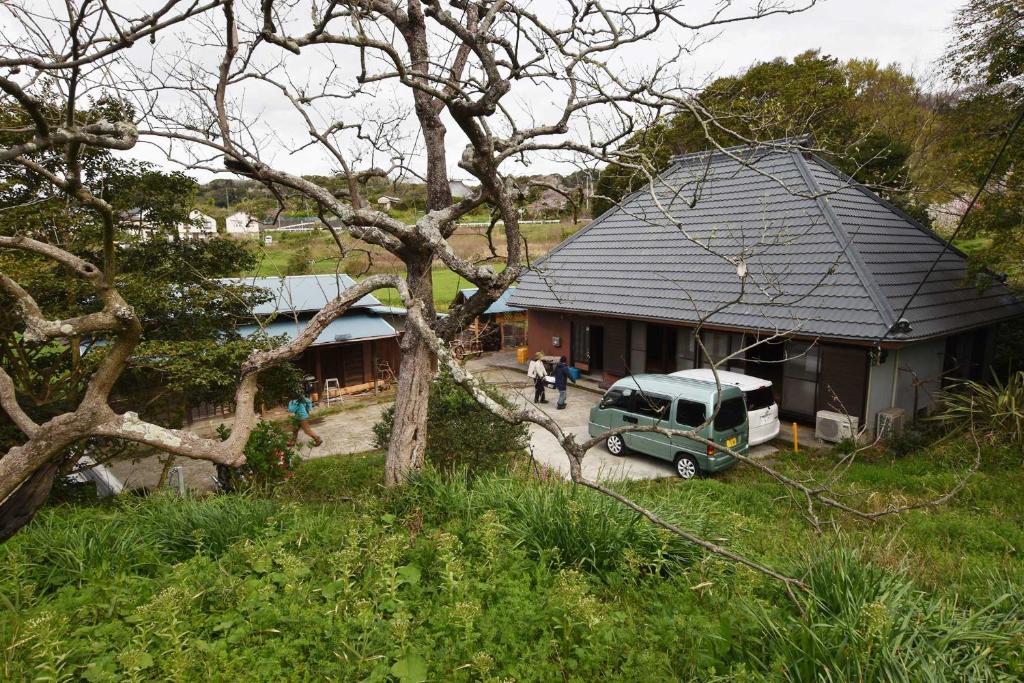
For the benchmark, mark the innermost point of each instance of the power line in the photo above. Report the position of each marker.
(963, 219)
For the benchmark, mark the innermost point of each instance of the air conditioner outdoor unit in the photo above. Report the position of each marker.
(889, 422)
(835, 427)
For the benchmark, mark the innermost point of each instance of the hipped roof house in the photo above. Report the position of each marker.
(848, 277)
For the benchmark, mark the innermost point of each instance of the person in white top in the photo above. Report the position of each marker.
(537, 372)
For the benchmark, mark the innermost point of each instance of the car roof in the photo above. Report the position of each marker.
(744, 382)
(676, 386)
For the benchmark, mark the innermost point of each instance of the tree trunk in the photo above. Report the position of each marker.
(408, 444)
(20, 507)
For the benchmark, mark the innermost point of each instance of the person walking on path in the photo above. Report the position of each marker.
(300, 408)
(537, 372)
(562, 376)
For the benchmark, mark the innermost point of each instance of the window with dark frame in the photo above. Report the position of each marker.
(652, 406)
(618, 399)
(721, 345)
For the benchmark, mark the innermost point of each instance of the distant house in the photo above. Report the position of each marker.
(500, 326)
(240, 223)
(827, 262)
(461, 189)
(136, 221)
(387, 202)
(200, 227)
(354, 349)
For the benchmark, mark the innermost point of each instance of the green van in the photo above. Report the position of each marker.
(674, 403)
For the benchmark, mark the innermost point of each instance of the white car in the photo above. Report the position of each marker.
(762, 412)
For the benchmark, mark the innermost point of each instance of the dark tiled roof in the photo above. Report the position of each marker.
(841, 265)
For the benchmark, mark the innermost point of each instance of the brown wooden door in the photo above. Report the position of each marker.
(344, 362)
(842, 379)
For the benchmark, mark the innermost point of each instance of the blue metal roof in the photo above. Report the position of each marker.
(302, 293)
(347, 328)
(500, 304)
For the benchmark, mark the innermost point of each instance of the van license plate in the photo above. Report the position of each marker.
(730, 442)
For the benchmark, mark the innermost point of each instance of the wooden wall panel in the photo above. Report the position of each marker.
(843, 372)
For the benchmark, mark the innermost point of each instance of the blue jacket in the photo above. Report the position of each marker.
(561, 375)
(300, 408)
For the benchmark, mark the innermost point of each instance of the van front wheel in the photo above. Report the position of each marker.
(687, 467)
(615, 445)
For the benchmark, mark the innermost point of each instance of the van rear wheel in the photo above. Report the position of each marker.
(615, 445)
(687, 467)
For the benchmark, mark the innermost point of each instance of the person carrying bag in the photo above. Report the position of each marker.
(537, 372)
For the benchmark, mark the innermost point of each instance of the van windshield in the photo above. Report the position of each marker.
(758, 399)
(731, 414)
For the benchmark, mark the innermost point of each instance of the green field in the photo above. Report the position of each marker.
(512, 578)
(318, 253)
(446, 285)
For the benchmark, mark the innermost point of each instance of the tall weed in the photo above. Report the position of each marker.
(71, 545)
(995, 410)
(863, 623)
(569, 525)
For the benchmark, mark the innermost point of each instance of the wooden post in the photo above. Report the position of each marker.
(796, 438)
(373, 367)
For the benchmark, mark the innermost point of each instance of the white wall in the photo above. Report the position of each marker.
(207, 226)
(241, 223)
(922, 361)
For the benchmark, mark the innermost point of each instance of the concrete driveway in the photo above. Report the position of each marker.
(350, 430)
(598, 463)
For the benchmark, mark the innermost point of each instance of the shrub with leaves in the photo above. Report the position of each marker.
(995, 410)
(915, 437)
(865, 623)
(561, 523)
(460, 432)
(269, 458)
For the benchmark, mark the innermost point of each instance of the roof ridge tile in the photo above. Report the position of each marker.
(885, 310)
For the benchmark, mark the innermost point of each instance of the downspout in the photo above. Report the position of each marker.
(867, 397)
(895, 376)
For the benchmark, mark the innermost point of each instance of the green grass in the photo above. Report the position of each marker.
(509, 578)
(446, 285)
(274, 261)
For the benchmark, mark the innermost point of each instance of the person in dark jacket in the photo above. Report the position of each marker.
(562, 377)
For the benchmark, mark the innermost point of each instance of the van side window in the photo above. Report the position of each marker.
(690, 413)
(618, 399)
(652, 406)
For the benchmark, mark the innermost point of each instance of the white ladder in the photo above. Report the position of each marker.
(331, 383)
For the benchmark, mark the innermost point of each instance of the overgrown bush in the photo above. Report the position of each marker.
(460, 432)
(995, 411)
(558, 522)
(72, 545)
(269, 458)
(865, 623)
(459, 579)
(915, 437)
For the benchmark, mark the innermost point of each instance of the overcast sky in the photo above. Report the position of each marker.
(912, 33)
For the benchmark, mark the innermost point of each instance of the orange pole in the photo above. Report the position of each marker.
(796, 439)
